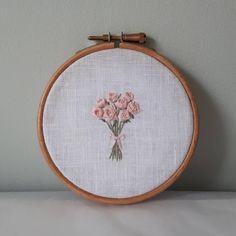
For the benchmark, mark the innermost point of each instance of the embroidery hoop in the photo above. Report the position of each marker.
(179, 76)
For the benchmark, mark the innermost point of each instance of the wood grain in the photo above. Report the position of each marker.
(168, 182)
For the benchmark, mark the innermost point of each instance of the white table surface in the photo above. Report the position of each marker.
(171, 213)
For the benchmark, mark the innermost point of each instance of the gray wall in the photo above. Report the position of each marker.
(37, 36)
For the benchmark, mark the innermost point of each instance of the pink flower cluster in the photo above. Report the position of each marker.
(120, 107)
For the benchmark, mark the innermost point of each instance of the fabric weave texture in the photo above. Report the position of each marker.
(156, 141)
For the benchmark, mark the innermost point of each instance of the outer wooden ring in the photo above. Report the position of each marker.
(172, 178)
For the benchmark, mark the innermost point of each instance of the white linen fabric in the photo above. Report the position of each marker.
(156, 141)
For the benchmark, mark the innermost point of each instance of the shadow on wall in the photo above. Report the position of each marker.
(203, 172)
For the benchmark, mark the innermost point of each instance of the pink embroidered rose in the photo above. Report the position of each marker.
(121, 103)
(116, 110)
(98, 112)
(110, 113)
(128, 96)
(133, 107)
(112, 97)
(101, 102)
(123, 115)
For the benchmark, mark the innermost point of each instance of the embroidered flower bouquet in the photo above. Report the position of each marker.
(116, 110)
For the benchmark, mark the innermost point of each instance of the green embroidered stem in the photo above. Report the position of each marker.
(116, 128)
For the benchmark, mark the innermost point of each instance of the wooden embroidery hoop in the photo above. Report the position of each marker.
(165, 62)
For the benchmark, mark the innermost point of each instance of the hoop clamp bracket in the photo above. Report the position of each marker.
(135, 38)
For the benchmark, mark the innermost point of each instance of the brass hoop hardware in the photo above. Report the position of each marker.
(121, 37)
(135, 38)
(109, 37)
